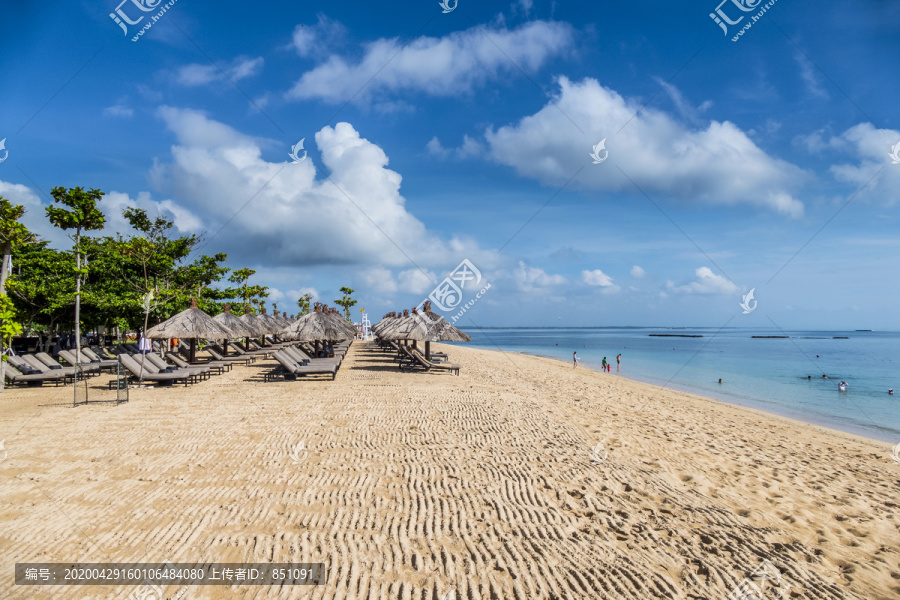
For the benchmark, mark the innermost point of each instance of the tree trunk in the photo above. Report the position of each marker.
(3, 268)
(77, 313)
(78, 297)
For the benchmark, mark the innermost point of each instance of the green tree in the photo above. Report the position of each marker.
(153, 259)
(82, 215)
(304, 304)
(250, 295)
(347, 302)
(39, 285)
(12, 235)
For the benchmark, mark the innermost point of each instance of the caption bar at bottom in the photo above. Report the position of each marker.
(170, 574)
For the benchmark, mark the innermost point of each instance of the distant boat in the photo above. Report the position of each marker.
(770, 337)
(865, 330)
(840, 337)
(673, 335)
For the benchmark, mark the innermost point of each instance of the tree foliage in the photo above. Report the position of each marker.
(128, 279)
(346, 301)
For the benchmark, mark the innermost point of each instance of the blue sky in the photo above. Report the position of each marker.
(436, 137)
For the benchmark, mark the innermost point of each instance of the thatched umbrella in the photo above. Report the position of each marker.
(281, 319)
(424, 327)
(400, 322)
(273, 325)
(317, 325)
(440, 330)
(238, 327)
(388, 320)
(192, 324)
(259, 327)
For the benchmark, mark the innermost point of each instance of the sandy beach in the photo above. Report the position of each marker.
(521, 478)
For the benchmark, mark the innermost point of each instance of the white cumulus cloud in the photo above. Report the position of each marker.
(718, 164)
(637, 272)
(535, 280)
(707, 283)
(347, 211)
(203, 74)
(601, 279)
(873, 166)
(446, 66)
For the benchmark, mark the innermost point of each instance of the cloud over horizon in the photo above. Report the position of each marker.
(716, 165)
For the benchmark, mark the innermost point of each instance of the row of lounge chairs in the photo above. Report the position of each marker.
(410, 359)
(172, 367)
(297, 361)
(40, 368)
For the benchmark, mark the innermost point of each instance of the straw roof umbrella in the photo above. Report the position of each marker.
(282, 319)
(398, 326)
(192, 324)
(317, 325)
(256, 325)
(340, 321)
(386, 321)
(274, 326)
(440, 330)
(238, 327)
(425, 327)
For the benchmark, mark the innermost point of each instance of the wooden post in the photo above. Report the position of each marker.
(193, 353)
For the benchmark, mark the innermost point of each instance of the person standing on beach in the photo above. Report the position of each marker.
(604, 363)
(618, 362)
(574, 360)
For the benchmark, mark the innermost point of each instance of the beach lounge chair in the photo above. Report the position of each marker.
(214, 366)
(105, 363)
(34, 363)
(202, 371)
(161, 378)
(292, 369)
(299, 356)
(246, 360)
(85, 367)
(33, 378)
(238, 351)
(428, 365)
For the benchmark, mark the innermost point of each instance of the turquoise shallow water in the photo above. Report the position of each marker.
(767, 374)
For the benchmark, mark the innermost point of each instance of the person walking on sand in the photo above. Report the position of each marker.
(618, 362)
(574, 360)
(604, 363)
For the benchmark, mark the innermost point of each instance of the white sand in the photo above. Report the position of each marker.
(419, 484)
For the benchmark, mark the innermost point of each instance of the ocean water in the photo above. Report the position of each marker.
(766, 374)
